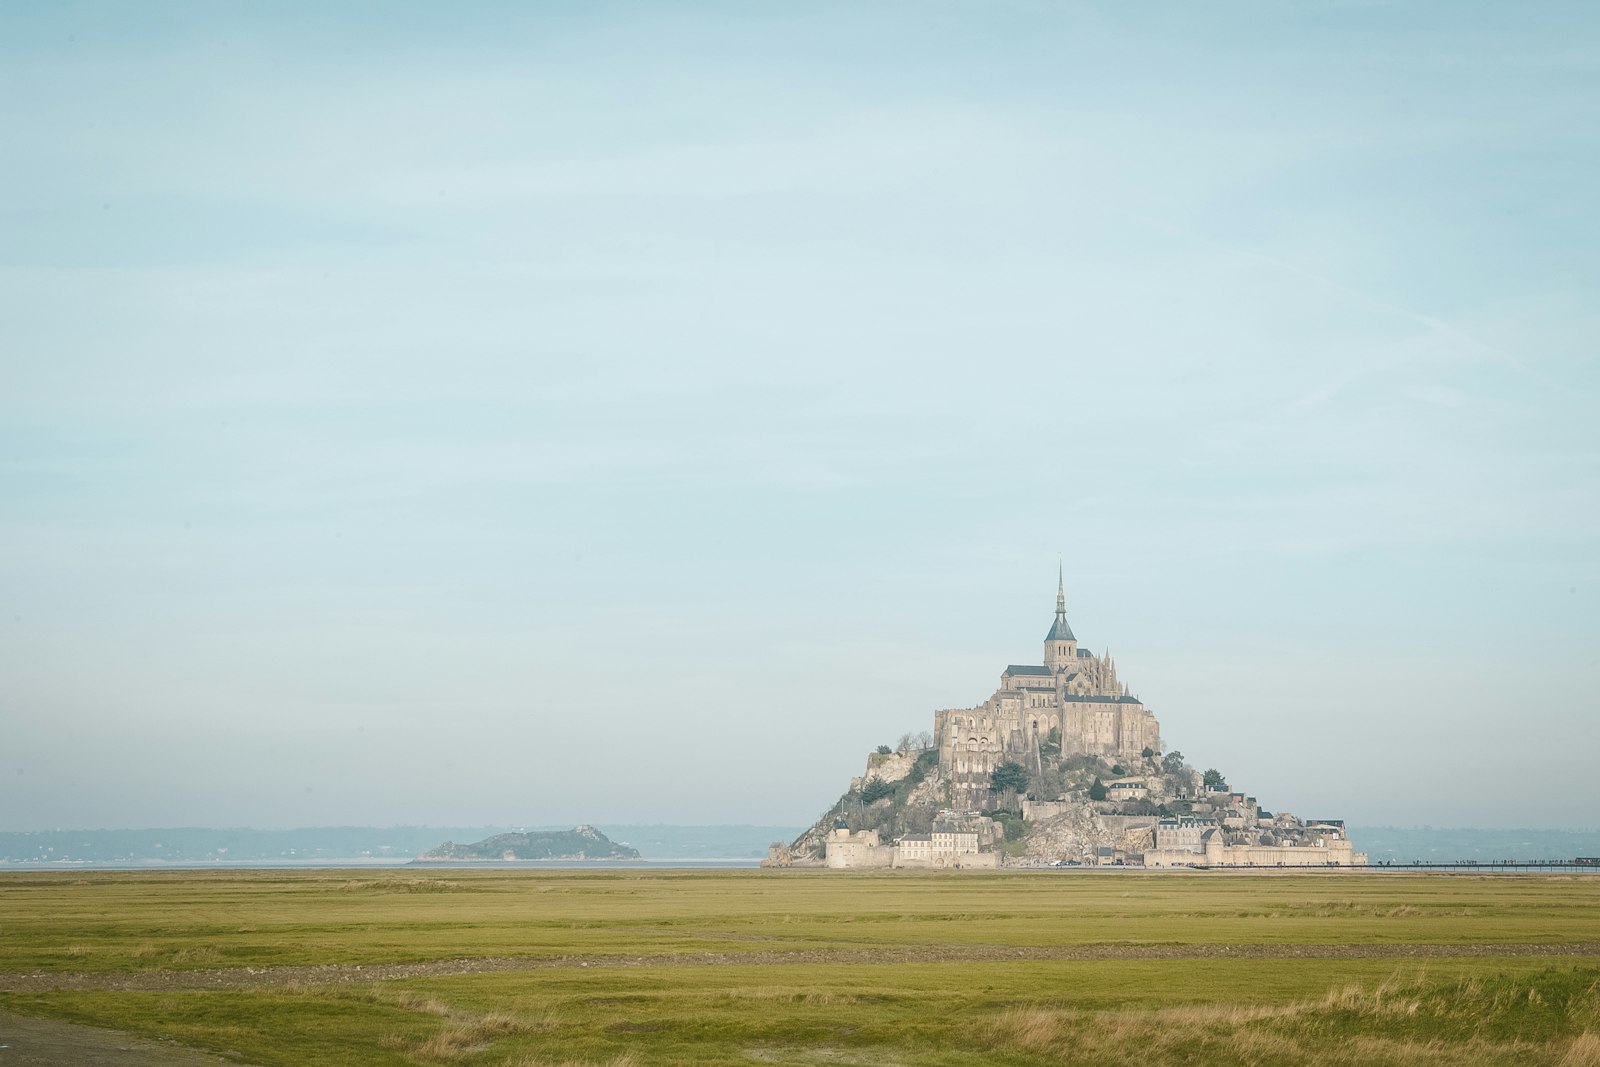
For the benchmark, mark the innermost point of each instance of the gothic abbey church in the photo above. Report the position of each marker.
(1074, 700)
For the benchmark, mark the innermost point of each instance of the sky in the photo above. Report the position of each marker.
(600, 412)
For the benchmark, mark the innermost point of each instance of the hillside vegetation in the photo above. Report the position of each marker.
(904, 792)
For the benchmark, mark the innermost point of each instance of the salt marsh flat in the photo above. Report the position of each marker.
(740, 967)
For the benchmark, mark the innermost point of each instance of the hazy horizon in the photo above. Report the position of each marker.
(582, 413)
(608, 826)
(395, 846)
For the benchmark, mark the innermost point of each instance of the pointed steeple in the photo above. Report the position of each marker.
(1060, 631)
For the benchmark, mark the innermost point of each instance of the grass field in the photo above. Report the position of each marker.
(739, 967)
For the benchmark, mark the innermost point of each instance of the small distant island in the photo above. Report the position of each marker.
(578, 843)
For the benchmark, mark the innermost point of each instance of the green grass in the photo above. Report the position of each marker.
(1537, 1009)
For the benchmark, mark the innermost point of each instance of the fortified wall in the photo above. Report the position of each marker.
(958, 849)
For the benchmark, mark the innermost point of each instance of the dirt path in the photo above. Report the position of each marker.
(333, 974)
(29, 1042)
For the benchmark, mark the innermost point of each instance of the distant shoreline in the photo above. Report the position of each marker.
(199, 848)
(371, 863)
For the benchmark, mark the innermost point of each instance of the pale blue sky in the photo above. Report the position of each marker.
(500, 413)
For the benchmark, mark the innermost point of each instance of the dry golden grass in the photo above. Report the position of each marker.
(404, 998)
(1365, 1049)
(1350, 1024)
(627, 1059)
(1584, 1051)
(462, 1040)
(198, 954)
(464, 1037)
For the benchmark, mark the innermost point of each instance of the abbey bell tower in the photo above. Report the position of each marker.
(1060, 647)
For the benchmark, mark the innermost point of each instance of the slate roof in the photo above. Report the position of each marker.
(1059, 630)
(1027, 668)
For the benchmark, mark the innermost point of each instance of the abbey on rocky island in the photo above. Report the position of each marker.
(1062, 765)
(1073, 704)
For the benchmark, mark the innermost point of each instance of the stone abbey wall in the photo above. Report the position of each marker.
(1073, 692)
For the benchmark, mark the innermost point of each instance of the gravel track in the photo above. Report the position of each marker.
(342, 974)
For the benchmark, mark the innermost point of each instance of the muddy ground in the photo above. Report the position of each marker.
(28, 1042)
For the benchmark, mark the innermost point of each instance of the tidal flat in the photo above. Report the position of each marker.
(611, 967)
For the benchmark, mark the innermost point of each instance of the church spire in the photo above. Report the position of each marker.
(1060, 631)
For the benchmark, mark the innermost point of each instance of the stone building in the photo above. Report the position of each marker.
(1182, 834)
(939, 849)
(1127, 789)
(846, 850)
(1330, 849)
(1074, 697)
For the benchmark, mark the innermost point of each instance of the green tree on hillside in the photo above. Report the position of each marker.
(1214, 780)
(875, 789)
(1098, 790)
(1009, 776)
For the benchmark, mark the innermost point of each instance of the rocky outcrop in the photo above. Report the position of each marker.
(1077, 831)
(887, 767)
